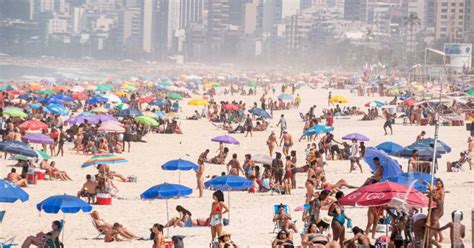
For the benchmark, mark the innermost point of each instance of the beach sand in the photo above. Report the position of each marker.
(251, 214)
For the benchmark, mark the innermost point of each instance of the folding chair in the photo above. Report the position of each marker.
(8, 243)
(2, 215)
(276, 228)
(100, 233)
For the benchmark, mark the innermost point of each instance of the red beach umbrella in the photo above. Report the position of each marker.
(33, 125)
(80, 96)
(384, 193)
(409, 102)
(231, 107)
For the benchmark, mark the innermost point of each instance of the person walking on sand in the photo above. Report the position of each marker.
(457, 231)
(287, 142)
(248, 126)
(200, 172)
(329, 98)
(355, 156)
(388, 121)
(282, 124)
(271, 143)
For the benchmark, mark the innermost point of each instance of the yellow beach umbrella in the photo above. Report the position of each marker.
(198, 102)
(339, 99)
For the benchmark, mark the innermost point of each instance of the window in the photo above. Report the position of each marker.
(444, 4)
(444, 17)
(461, 17)
(444, 10)
(443, 29)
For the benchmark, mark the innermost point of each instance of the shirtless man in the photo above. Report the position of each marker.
(200, 172)
(470, 151)
(89, 189)
(359, 240)
(378, 173)
(457, 231)
(234, 165)
(13, 177)
(388, 121)
(287, 142)
(420, 136)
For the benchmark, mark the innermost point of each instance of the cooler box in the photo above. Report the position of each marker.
(40, 173)
(169, 244)
(31, 178)
(103, 199)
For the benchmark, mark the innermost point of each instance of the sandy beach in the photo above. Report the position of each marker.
(250, 214)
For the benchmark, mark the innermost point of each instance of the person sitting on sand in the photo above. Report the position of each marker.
(195, 116)
(377, 174)
(220, 158)
(104, 169)
(13, 177)
(106, 185)
(104, 227)
(184, 219)
(282, 239)
(360, 240)
(284, 219)
(225, 241)
(235, 166)
(157, 236)
(89, 189)
(55, 173)
(116, 233)
(103, 146)
(457, 231)
(336, 186)
(315, 237)
(42, 238)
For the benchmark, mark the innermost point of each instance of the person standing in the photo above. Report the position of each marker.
(282, 124)
(355, 156)
(218, 208)
(336, 210)
(248, 126)
(287, 142)
(271, 143)
(329, 98)
(200, 172)
(388, 121)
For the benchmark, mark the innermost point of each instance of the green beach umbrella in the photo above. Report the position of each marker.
(46, 92)
(104, 87)
(41, 154)
(470, 92)
(216, 85)
(15, 113)
(174, 96)
(146, 120)
(165, 84)
(253, 85)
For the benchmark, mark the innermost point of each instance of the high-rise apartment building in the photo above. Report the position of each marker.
(450, 16)
(149, 17)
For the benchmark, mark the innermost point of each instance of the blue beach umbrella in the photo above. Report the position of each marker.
(52, 100)
(67, 204)
(64, 97)
(260, 112)
(57, 109)
(159, 102)
(285, 97)
(130, 112)
(179, 164)
(229, 183)
(441, 146)
(389, 165)
(96, 99)
(420, 180)
(166, 191)
(389, 147)
(423, 152)
(160, 114)
(16, 147)
(317, 129)
(10, 192)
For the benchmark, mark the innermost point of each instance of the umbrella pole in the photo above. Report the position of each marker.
(179, 176)
(228, 213)
(64, 222)
(167, 219)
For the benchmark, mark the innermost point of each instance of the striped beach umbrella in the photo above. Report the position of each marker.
(104, 159)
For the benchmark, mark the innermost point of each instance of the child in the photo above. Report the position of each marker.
(456, 230)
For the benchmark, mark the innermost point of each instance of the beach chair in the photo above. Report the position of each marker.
(99, 232)
(8, 243)
(276, 227)
(2, 215)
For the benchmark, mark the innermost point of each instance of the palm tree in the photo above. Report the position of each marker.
(412, 20)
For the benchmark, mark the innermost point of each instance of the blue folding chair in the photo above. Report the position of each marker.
(2, 215)
(275, 212)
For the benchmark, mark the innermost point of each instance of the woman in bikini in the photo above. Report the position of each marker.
(104, 227)
(438, 211)
(336, 210)
(218, 209)
(271, 143)
(283, 239)
(42, 238)
(373, 217)
(310, 183)
(314, 237)
(157, 236)
(184, 219)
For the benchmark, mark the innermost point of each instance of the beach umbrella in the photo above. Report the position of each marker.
(10, 192)
(339, 99)
(160, 114)
(79, 96)
(389, 165)
(33, 125)
(260, 112)
(37, 138)
(441, 146)
(166, 191)
(159, 102)
(262, 159)
(35, 105)
(26, 97)
(46, 92)
(229, 183)
(17, 147)
(389, 147)
(57, 109)
(409, 102)
(470, 92)
(67, 204)
(80, 119)
(423, 152)
(374, 104)
(180, 164)
(419, 180)
(96, 99)
(146, 120)
(146, 99)
(40, 154)
(64, 97)
(226, 139)
(357, 136)
(121, 106)
(130, 112)
(100, 110)
(285, 97)
(385, 193)
(104, 87)
(174, 96)
(51, 100)
(198, 102)
(317, 129)
(231, 107)
(112, 98)
(111, 127)
(104, 159)
(15, 112)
